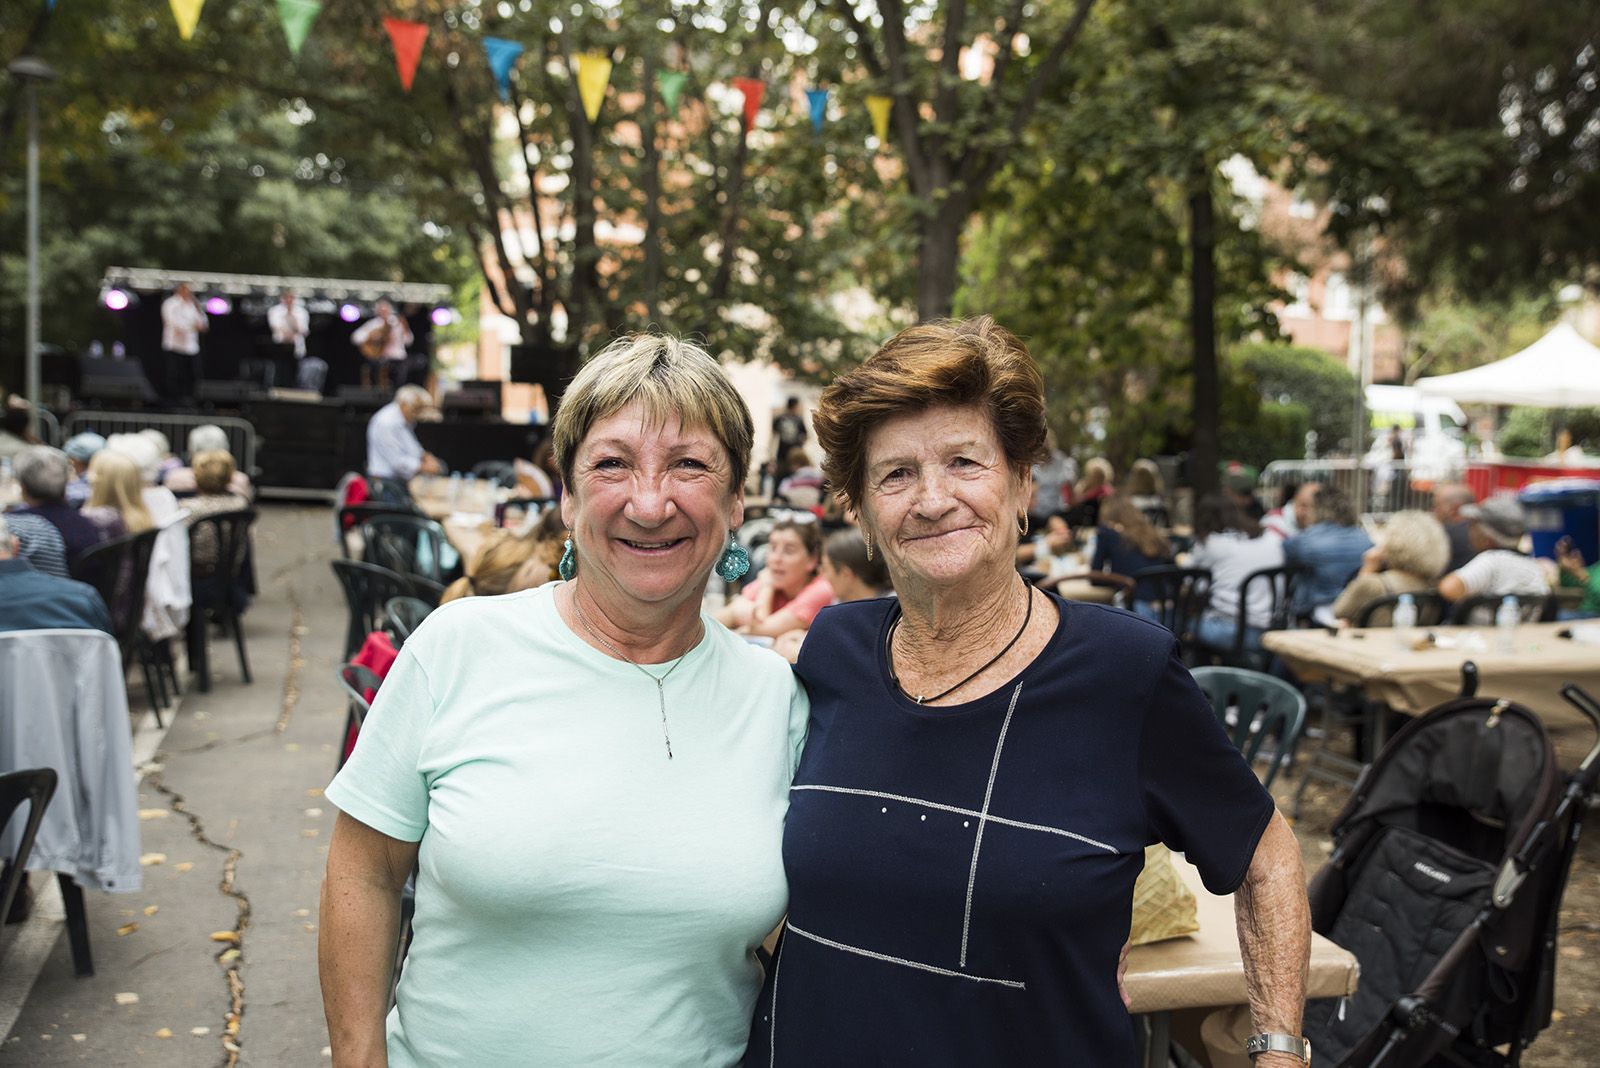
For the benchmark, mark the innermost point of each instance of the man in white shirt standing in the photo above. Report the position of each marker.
(383, 340)
(290, 325)
(393, 452)
(182, 323)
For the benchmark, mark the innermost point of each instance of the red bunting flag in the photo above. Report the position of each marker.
(408, 38)
(753, 89)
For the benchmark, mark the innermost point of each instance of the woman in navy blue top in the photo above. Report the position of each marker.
(1126, 543)
(986, 762)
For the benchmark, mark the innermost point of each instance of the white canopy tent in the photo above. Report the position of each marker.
(1560, 370)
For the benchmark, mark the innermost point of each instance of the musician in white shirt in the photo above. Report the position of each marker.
(182, 323)
(383, 341)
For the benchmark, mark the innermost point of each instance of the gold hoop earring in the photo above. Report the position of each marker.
(1022, 527)
(866, 537)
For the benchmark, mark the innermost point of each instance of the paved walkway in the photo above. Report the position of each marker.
(213, 962)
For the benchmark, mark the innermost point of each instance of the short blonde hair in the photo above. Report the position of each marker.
(213, 471)
(673, 379)
(1416, 543)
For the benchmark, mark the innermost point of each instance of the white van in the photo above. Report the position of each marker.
(1433, 429)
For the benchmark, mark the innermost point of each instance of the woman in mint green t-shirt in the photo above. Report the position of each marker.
(589, 779)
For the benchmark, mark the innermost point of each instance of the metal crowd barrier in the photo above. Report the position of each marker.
(1380, 489)
(241, 434)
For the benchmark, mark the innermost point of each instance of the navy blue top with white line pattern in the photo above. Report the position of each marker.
(960, 878)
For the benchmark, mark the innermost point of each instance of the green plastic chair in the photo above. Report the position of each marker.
(1252, 707)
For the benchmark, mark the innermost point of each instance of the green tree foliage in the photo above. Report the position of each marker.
(220, 169)
(1451, 334)
(1295, 378)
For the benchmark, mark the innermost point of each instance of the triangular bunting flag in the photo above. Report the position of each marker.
(594, 73)
(297, 17)
(408, 38)
(670, 82)
(753, 89)
(187, 12)
(502, 56)
(878, 107)
(818, 99)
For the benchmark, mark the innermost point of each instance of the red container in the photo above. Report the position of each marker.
(1486, 479)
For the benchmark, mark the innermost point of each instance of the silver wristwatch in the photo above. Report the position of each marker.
(1276, 1042)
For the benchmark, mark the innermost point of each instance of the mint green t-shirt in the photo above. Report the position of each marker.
(580, 898)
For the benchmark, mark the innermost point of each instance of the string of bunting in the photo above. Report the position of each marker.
(593, 68)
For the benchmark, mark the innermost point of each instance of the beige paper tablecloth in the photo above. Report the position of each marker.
(1531, 674)
(1204, 969)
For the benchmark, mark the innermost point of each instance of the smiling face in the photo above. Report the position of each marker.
(650, 507)
(788, 563)
(941, 499)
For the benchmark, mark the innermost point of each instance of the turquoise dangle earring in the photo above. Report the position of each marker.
(569, 562)
(734, 561)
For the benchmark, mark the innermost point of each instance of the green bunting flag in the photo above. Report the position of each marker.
(297, 17)
(670, 82)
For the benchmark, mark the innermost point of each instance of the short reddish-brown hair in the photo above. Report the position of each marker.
(955, 362)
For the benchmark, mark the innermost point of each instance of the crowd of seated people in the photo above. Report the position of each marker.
(1411, 553)
(1330, 543)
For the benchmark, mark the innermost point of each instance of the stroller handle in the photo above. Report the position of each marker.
(1579, 698)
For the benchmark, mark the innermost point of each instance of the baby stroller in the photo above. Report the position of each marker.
(1445, 881)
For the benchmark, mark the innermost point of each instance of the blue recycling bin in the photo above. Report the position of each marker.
(1564, 507)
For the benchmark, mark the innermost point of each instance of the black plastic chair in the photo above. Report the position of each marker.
(1254, 706)
(215, 599)
(367, 589)
(1432, 610)
(357, 681)
(348, 519)
(502, 473)
(405, 615)
(536, 504)
(1279, 583)
(1479, 609)
(35, 786)
(409, 545)
(119, 569)
(426, 590)
(1182, 593)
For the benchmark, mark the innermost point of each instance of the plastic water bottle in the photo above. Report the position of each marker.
(1506, 618)
(455, 489)
(1405, 619)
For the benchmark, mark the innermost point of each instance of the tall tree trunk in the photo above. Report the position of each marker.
(1203, 451)
(938, 257)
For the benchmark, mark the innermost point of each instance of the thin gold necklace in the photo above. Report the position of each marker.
(659, 680)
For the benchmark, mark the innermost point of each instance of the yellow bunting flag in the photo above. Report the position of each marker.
(187, 12)
(878, 107)
(594, 73)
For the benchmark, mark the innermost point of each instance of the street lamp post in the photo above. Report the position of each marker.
(31, 70)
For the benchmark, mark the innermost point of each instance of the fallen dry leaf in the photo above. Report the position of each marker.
(302, 912)
(127, 929)
(200, 1032)
(153, 813)
(1557, 1015)
(310, 927)
(1571, 952)
(315, 791)
(313, 812)
(309, 832)
(127, 997)
(225, 936)
(186, 865)
(80, 1037)
(293, 747)
(165, 1032)
(228, 956)
(151, 910)
(152, 858)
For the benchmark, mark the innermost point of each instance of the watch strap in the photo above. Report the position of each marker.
(1278, 1042)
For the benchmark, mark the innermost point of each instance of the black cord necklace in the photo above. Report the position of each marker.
(889, 650)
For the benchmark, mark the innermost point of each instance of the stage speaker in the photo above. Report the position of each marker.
(552, 366)
(365, 395)
(470, 402)
(221, 391)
